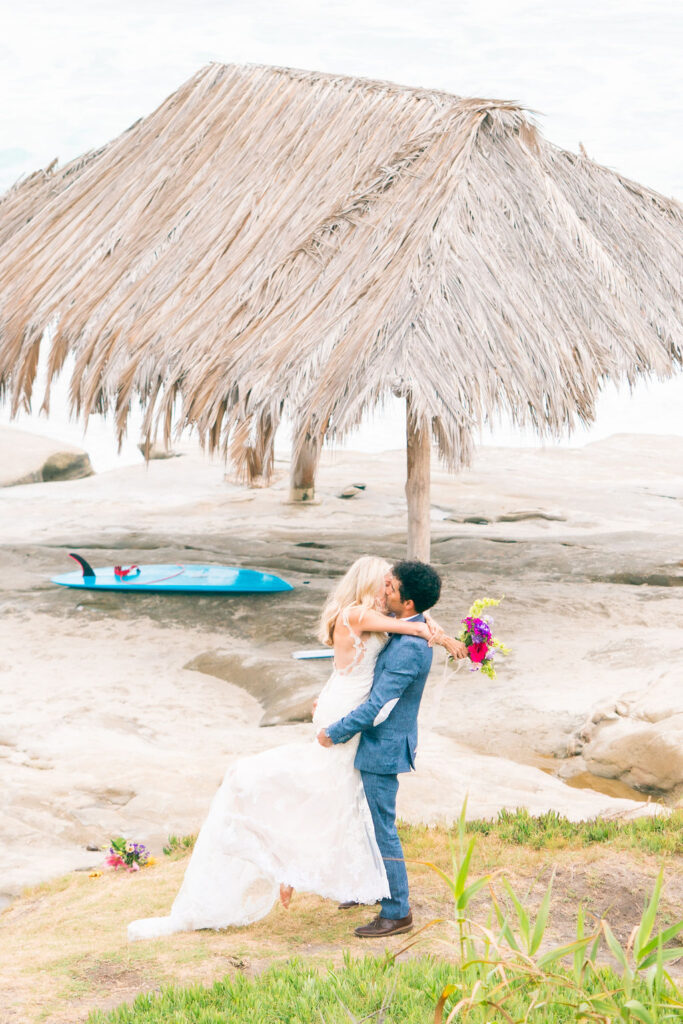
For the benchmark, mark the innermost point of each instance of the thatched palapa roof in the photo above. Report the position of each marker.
(273, 240)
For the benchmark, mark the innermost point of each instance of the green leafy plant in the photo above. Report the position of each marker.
(179, 844)
(497, 965)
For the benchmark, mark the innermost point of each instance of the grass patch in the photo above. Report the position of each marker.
(371, 988)
(179, 844)
(505, 968)
(70, 956)
(659, 835)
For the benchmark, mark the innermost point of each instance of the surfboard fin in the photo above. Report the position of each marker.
(88, 571)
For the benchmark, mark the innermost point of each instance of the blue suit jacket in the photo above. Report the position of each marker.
(400, 675)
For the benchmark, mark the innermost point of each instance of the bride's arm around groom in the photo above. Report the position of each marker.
(404, 663)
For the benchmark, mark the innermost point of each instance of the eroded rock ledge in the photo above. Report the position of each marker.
(637, 738)
(286, 694)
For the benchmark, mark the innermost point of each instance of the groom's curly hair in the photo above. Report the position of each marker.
(418, 582)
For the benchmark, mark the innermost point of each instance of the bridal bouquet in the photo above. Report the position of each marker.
(482, 646)
(125, 854)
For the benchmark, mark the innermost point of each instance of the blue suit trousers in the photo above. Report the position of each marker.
(380, 792)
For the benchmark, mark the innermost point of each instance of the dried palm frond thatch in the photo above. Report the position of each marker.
(272, 241)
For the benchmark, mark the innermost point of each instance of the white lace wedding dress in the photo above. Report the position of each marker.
(296, 815)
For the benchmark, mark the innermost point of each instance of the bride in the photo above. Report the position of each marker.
(296, 817)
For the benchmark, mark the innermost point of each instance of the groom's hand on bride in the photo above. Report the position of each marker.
(456, 648)
(324, 740)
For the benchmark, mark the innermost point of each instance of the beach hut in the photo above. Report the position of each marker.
(275, 242)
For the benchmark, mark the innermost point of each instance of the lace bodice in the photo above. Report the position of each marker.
(348, 687)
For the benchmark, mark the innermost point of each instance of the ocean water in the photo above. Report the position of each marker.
(606, 73)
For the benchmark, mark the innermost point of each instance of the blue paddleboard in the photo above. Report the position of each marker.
(205, 579)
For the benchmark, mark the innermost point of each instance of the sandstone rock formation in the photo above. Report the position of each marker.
(28, 459)
(637, 738)
(155, 451)
(285, 693)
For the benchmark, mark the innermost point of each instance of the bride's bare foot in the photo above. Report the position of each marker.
(286, 895)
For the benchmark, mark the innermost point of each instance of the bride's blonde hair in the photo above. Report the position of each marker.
(358, 588)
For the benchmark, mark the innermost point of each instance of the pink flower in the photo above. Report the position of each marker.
(134, 866)
(114, 861)
(477, 652)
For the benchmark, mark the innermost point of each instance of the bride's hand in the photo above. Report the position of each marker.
(424, 632)
(435, 630)
(436, 633)
(456, 648)
(439, 636)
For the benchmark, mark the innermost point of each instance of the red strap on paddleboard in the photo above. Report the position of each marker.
(121, 573)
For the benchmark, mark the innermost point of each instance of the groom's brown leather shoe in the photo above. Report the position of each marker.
(380, 927)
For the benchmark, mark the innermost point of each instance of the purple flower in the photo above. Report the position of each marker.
(481, 631)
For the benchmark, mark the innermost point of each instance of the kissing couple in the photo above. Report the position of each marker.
(320, 816)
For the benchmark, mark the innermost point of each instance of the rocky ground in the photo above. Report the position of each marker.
(120, 713)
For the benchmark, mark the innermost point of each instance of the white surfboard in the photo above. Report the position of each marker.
(310, 655)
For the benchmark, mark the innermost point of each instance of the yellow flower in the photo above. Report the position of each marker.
(95, 874)
(150, 862)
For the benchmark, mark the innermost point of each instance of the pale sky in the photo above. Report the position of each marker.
(606, 73)
(603, 72)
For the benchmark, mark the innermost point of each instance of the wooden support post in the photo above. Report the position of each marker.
(417, 484)
(304, 468)
(253, 460)
(258, 460)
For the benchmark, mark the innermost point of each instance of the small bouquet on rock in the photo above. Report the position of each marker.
(125, 854)
(482, 646)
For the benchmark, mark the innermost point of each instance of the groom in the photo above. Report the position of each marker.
(387, 722)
